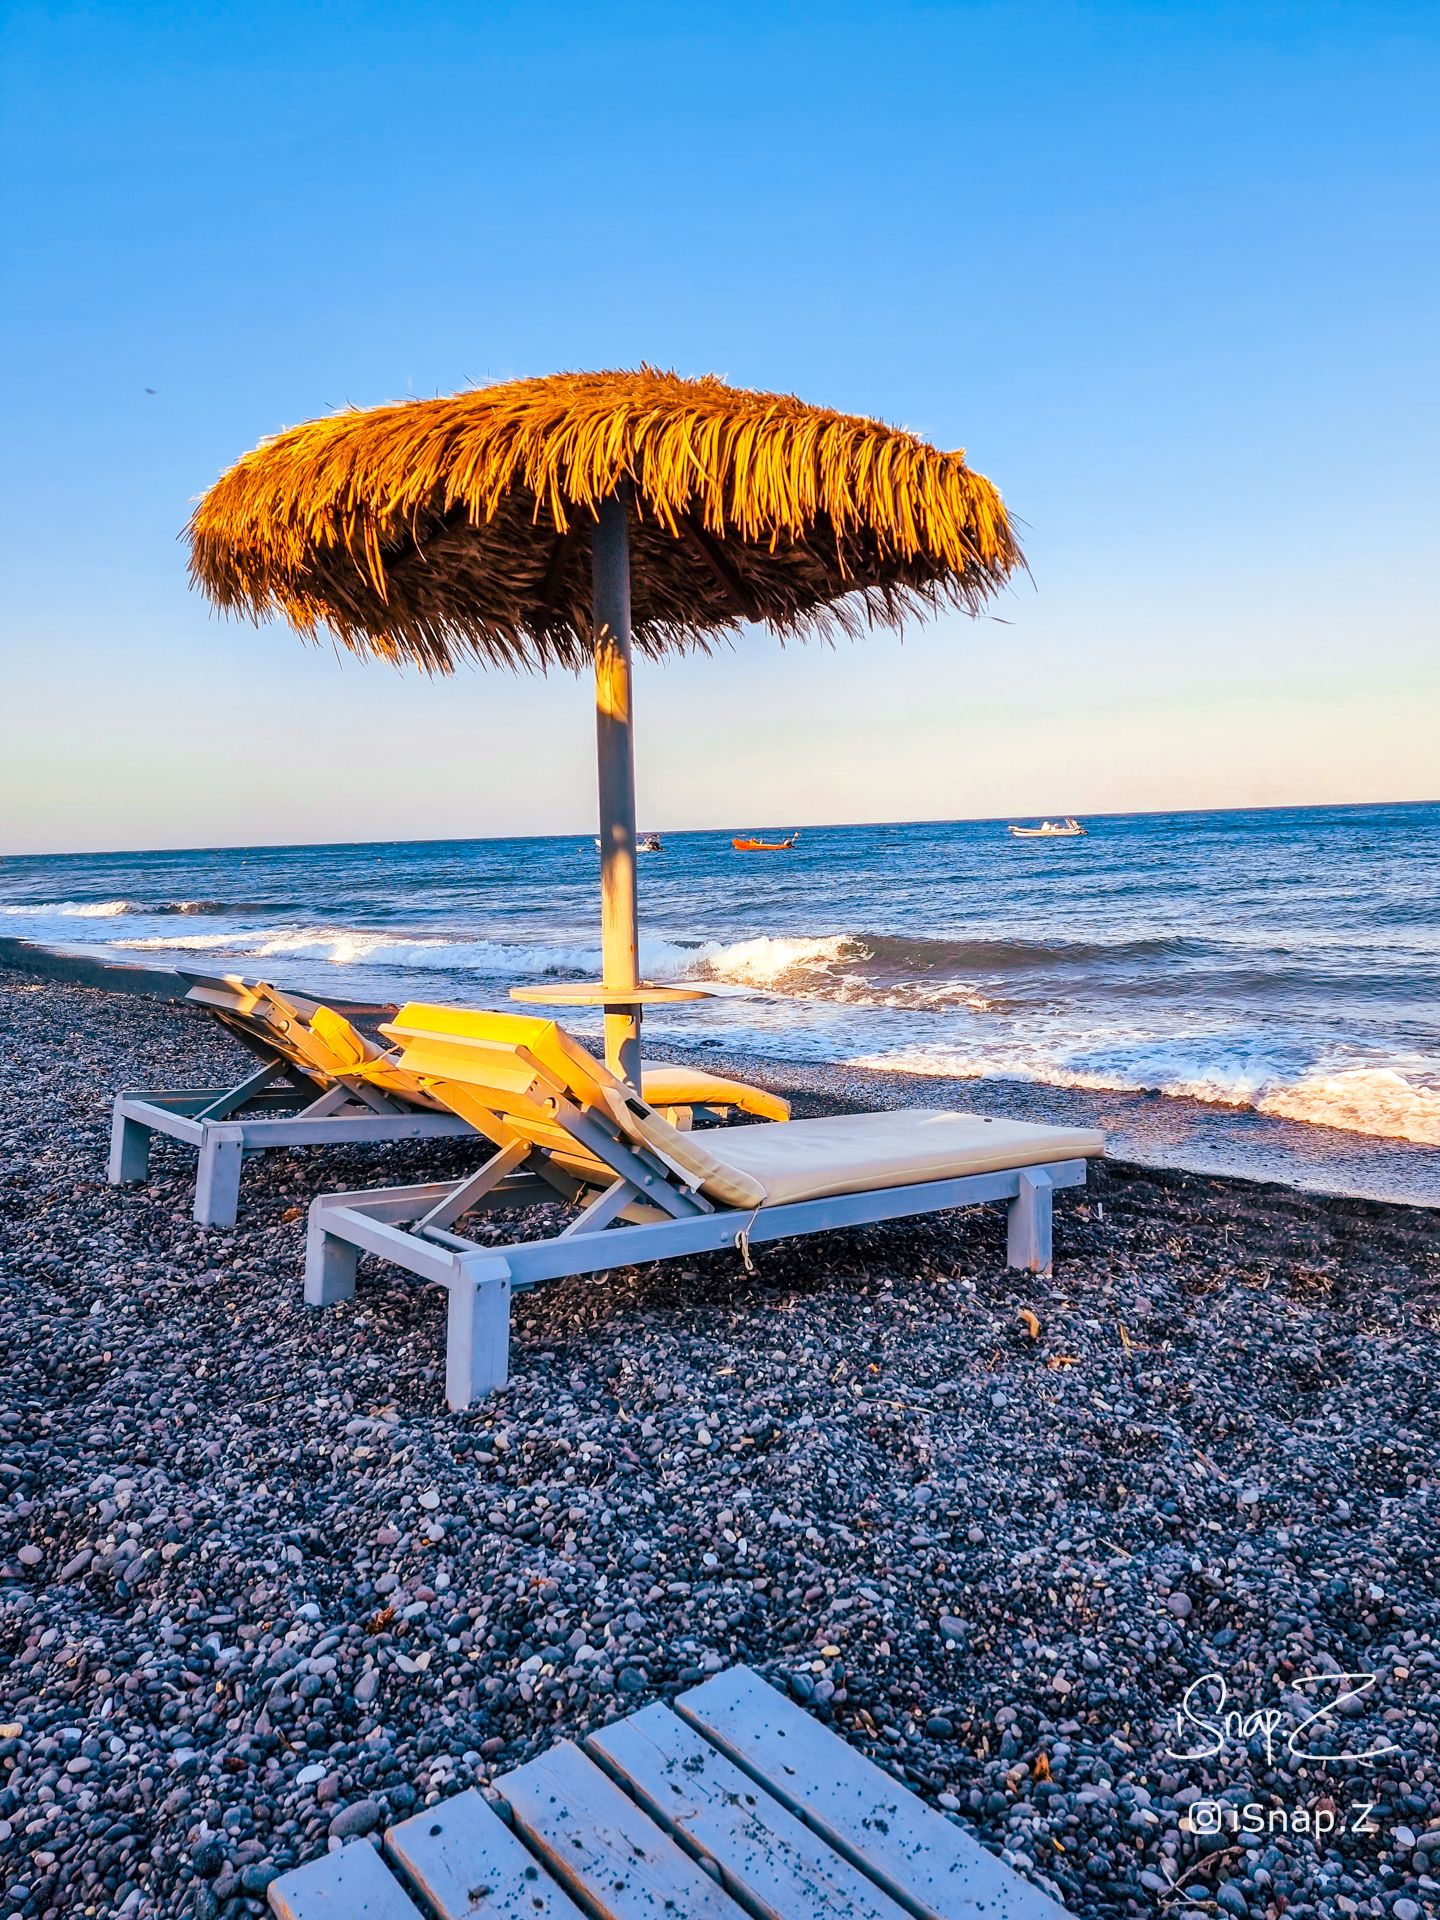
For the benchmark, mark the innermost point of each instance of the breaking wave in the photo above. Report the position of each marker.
(73, 909)
(841, 968)
(113, 909)
(850, 969)
(1360, 1099)
(1276, 964)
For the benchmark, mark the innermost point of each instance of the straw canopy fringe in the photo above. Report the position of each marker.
(439, 530)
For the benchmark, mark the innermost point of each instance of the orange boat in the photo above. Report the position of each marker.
(764, 846)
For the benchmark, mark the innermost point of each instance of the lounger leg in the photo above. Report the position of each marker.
(129, 1149)
(477, 1341)
(217, 1184)
(330, 1264)
(1028, 1239)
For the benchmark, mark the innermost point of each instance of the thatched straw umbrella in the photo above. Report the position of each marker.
(554, 521)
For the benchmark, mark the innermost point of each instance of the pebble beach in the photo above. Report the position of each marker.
(261, 1594)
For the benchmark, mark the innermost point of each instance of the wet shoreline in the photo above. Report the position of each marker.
(1152, 1130)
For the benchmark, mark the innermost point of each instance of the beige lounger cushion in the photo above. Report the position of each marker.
(717, 1179)
(856, 1152)
(485, 1065)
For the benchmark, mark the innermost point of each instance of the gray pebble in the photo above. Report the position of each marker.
(361, 1816)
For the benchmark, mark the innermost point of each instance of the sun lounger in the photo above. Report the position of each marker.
(308, 1090)
(566, 1129)
(321, 1082)
(735, 1803)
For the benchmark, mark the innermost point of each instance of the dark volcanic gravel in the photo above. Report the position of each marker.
(259, 1590)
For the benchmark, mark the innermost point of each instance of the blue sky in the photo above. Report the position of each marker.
(1169, 273)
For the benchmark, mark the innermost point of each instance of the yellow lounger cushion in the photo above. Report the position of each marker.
(585, 1076)
(346, 1043)
(858, 1152)
(470, 1056)
(691, 1087)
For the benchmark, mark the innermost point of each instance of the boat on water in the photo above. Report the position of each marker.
(1067, 829)
(745, 843)
(645, 843)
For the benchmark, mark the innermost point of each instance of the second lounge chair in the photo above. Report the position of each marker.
(321, 1082)
(568, 1130)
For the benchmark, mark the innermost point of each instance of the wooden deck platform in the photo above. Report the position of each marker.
(734, 1804)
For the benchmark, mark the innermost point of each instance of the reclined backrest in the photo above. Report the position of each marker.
(510, 1066)
(322, 1043)
(267, 1021)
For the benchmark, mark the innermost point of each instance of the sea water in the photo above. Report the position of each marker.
(1285, 961)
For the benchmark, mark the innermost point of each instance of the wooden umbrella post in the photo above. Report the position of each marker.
(615, 753)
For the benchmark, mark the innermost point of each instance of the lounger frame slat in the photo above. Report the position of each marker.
(378, 1222)
(324, 1105)
(261, 1125)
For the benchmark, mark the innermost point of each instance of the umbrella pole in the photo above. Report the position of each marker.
(615, 755)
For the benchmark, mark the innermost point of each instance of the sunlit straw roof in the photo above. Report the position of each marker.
(434, 531)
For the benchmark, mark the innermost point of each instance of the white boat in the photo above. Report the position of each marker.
(1067, 829)
(646, 843)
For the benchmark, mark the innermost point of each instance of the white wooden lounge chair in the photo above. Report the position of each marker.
(321, 1082)
(306, 1091)
(567, 1129)
(736, 1804)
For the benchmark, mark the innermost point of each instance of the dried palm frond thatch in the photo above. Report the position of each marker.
(437, 530)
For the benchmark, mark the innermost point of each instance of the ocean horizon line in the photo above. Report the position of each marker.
(735, 826)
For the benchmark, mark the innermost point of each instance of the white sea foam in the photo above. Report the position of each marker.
(829, 967)
(764, 964)
(1362, 1100)
(73, 909)
(351, 947)
(1373, 1100)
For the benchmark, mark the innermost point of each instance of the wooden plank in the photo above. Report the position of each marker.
(235, 1097)
(930, 1866)
(174, 1122)
(129, 1150)
(464, 1861)
(616, 1862)
(389, 1203)
(467, 1193)
(353, 1884)
(217, 1178)
(771, 1862)
(176, 1099)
